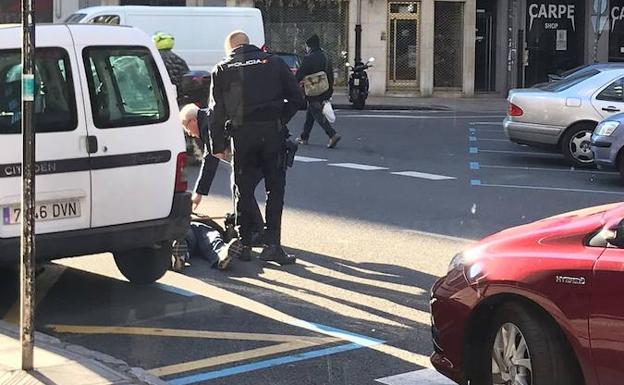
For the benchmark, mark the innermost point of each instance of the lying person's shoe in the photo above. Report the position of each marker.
(234, 248)
(275, 253)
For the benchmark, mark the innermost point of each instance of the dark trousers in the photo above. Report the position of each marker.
(315, 113)
(259, 147)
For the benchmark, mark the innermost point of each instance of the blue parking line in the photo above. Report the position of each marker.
(472, 129)
(472, 138)
(175, 290)
(195, 378)
(475, 182)
(475, 166)
(473, 150)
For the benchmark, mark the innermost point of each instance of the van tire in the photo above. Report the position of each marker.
(146, 265)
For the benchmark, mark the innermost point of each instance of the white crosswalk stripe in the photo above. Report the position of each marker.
(423, 175)
(357, 166)
(306, 159)
(417, 377)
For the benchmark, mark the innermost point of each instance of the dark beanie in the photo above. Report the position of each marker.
(313, 41)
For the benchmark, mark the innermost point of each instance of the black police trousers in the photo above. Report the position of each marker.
(259, 147)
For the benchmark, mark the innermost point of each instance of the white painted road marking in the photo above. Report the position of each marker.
(357, 166)
(522, 153)
(417, 117)
(486, 123)
(423, 175)
(417, 377)
(574, 170)
(306, 159)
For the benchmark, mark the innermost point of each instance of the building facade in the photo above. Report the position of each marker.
(426, 47)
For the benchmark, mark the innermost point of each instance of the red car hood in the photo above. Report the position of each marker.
(565, 229)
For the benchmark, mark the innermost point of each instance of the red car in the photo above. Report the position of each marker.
(540, 304)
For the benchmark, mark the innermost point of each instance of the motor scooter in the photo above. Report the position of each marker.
(358, 83)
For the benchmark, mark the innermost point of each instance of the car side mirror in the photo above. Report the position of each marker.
(618, 237)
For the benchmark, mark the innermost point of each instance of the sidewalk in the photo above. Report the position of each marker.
(486, 103)
(59, 363)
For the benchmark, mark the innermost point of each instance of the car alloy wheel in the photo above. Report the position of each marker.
(511, 359)
(580, 147)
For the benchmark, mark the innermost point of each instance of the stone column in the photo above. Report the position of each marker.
(426, 35)
(470, 23)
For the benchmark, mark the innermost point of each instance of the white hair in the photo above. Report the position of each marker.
(188, 112)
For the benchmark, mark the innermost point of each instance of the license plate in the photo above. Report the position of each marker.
(44, 211)
(356, 82)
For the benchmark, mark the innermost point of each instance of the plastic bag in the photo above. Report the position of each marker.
(328, 111)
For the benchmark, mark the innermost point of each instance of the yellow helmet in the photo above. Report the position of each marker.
(163, 40)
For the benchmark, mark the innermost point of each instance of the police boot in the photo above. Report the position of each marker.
(275, 253)
(245, 254)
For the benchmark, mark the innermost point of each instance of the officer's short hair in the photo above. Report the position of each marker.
(235, 39)
(188, 112)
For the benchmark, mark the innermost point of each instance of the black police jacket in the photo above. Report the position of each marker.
(317, 61)
(251, 86)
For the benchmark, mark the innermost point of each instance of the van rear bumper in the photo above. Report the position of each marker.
(106, 239)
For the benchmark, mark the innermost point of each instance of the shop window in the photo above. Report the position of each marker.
(613, 93)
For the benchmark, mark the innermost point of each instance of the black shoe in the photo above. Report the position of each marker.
(257, 239)
(245, 254)
(234, 248)
(334, 141)
(275, 253)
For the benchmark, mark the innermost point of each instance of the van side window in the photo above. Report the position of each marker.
(55, 103)
(125, 87)
(105, 19)
(613, 93)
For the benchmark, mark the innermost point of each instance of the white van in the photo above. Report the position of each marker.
(110, 152)
(199, 31)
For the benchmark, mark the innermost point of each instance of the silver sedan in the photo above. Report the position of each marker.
(562, 115)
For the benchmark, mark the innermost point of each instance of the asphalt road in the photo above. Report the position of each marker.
(373, 224)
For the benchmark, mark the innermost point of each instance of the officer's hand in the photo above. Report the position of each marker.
(221, 155)
(196, 199)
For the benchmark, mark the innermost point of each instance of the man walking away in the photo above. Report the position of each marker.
(256, 94)
(314, 64)
(176, 66)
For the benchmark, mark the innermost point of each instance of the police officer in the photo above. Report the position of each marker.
(255, 94)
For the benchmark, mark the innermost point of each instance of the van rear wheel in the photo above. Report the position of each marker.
(146, 265)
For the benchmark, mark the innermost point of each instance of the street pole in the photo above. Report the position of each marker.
(358, 33)
(27, 288)
(510, 42)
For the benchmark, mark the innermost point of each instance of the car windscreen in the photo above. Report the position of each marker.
(570, 81)
(54, 105)
(75, 18)
(125, 87)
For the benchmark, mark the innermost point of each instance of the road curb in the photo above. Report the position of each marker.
(79, 354)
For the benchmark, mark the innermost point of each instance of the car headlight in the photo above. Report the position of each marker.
(457, 262)
(607, 128)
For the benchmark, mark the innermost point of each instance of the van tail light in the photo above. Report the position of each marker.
(514, 110)
(181, 184)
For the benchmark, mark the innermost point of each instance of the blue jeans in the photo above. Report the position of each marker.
(204, 242)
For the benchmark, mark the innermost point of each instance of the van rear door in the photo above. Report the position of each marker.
(63, 185)
(135, 123)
